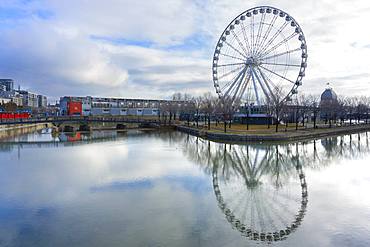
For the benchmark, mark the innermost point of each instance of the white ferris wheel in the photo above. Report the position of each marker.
(260, 58)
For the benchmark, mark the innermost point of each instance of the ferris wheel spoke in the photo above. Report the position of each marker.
(252, 212)
(276, 34)
(260, 28)
(281, 54)
(267, 213)
(270, 212)
(231, 81)
(232, 47)
(284, 64)
(235, 199)
(286, 197)
(239, 42)
(245, 208)
(277, 212)
(246, 38)
(259, 213)
(229, 64)
(243, 88)
(239, 85)
(236, 89)
(235, 81)
(252, 33)
(284, 207)
(267, 33)
(279, 44)
(226, 55)
(273, 72)
(230, 72)
(255, 90)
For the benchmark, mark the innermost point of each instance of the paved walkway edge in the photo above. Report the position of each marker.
(280, 136)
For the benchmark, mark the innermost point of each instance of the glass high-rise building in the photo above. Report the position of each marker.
(8, 83)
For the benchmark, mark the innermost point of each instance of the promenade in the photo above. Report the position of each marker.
(269, 135)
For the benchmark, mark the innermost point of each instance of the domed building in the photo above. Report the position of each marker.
(328, 104)
(328, 97)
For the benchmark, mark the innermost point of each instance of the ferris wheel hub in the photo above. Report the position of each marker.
(252, 61)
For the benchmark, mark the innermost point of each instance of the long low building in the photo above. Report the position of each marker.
(93, 106)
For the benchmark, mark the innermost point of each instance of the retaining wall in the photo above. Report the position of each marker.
(280, 136)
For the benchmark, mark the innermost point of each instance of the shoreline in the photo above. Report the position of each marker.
(19, 129)
(300, 135)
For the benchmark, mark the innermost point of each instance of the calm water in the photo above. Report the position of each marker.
(171, 189)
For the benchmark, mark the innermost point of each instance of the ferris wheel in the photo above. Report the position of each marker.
(260, 58)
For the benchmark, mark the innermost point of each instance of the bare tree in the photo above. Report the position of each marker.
(277, 105)
(305, 106)
(187, 107)
(367, 104)
(208, 106)
(197, 103)
(10, 107)
(310, 103)
(349, 105)
(226, 109)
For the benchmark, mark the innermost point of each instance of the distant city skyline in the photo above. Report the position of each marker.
(152, 49)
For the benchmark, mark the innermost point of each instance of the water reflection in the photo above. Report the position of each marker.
(262, 189)
(196, 193)
(45, 138)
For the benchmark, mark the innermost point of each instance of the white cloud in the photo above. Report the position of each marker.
(151, 53)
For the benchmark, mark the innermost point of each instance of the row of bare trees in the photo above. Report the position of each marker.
(337, 112)
(354, 109)
(207, 109)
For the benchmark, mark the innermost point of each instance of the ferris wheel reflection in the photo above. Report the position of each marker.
(261, 189)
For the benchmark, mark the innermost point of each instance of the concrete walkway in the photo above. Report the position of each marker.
(302, 134)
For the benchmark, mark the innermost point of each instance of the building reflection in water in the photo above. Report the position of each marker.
(46, 139)
(262, 189)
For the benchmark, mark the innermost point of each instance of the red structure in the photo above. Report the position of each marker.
(74, 108)
(10, 115)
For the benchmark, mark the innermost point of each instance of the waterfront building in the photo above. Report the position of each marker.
(29, 99)
(4, 100)
(92, 106)
(328, 97)
(21, 97)
(8, 83)
(253, 114)
(329, 104)
(17, 99)
(42, 101)
(13, 96)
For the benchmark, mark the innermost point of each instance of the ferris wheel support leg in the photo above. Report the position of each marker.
(255, 88)
(260, 83)
(235, 81)
(267, 84)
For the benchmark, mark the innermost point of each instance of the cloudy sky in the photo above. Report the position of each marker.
(153, 48)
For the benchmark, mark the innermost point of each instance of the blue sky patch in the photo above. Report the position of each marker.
(44, 14)
(123, 41)
(13, 14)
